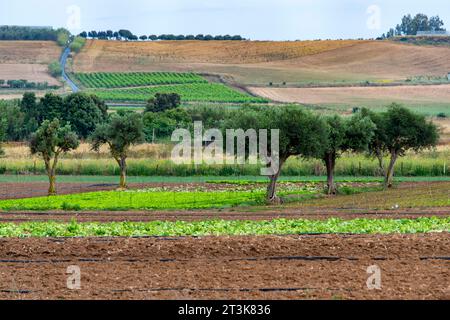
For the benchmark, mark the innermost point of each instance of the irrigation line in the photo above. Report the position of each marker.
(167, 260)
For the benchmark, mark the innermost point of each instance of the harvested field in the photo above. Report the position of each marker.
(255, 62)
(28, 52)
(27, 60)
(30, 72)
(356, 95)
(275, 267)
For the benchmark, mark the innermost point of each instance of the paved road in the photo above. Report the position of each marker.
(66, 78)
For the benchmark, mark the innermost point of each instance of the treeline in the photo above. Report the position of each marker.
(84, 112)
(128, 35)
(55, 126)
(410, 25)
(60, 35)
(25, 84)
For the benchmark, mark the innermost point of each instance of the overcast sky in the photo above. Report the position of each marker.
(254, 19)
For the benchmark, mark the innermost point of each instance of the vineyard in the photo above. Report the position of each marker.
(204, 92)
(121, 80)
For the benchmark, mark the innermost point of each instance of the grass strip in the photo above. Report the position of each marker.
(224, 228)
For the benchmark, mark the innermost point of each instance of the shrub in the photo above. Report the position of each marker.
(55, 69)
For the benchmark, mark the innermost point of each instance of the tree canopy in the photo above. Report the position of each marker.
(121, 132)
(49, 142)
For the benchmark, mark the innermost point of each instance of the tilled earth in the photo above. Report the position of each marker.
(266, 267)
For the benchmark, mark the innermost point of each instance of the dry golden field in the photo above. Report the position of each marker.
(28, 60)
(354, 96)
(258, 62)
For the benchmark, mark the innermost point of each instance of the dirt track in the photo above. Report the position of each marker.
(291, 267)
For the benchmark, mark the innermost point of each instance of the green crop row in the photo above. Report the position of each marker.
(224, 228)
(205, 92)
(140, 200)
(120, 80)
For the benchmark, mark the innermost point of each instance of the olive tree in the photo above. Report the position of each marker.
(121, 132)
(353, 134)
(405, 130)
(50, 141)
(300, 134)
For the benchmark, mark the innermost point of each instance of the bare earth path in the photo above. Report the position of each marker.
(275, 267)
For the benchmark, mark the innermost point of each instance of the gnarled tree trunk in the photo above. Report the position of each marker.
(330, 163)
(123, 173)
(272, 197)
(389, 178)
(51, 173)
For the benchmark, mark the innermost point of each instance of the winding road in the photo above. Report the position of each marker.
(63, 63)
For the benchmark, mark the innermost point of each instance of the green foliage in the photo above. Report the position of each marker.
(160, 126)
(224, 228)
(163, 102)
(406, 130)
(83, 113)
(18, 124)
(54, 68)
(77, 44)
(51, 140)
(63, 37)
(135, 79)
(212, 92)
(119, 133)
(138, 200)
(27, 33)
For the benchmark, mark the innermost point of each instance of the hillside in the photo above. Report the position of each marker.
(28, 60)
(258, 63)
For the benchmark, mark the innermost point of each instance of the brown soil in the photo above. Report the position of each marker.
(355, 95)
(28, 60)
(259, 63)
(228, 214)
(272, 267)
(28, 52)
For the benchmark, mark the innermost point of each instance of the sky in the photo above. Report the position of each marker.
(253, 19)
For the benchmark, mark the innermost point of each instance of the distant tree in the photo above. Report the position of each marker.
(49, 107)
(403, 130)
(162, 102)
(109, 34)
(199, 37)
(49, 142)
(190, 37)
(121, 132)
(436, 24)
(83, 34)
(143, 38)
(301, 134)
(376, 146)
(208, 37)
(29, 107)
(126, 34)
(353, 134)
(54, 68)
(153, 37)
(82, 112)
